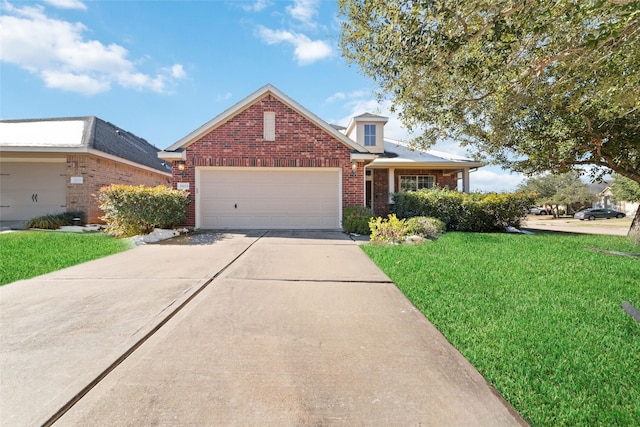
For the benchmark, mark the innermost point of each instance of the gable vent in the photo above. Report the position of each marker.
(269, 126)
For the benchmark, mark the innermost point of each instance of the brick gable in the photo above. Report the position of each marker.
(299, 142)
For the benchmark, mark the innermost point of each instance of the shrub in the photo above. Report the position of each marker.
(390, 229)
(55, 221)
(356, 219)
(464, 212)
(429, 228)
(132, 210)
(561, 212)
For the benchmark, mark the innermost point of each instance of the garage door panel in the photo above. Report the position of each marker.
(28, 190)
(268, 198)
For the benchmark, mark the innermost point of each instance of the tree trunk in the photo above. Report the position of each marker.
(634, 230)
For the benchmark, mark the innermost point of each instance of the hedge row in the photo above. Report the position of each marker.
(465, 212)
(133, 210)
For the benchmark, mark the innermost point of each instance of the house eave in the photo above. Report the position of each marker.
(408, 164)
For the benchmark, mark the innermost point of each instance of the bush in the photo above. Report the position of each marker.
(390, 229)
(464, 212)
(561, 212)
(356, 219)
(55, 221)
(429, 228)
(130, 210)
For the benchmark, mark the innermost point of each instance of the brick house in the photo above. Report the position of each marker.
(60, 164)
(267, 162)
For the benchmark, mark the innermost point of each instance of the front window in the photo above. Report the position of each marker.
(416, 182)
(369, 135)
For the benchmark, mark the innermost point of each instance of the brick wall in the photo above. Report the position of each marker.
(298, 143)
(381, 192)
(99, 172)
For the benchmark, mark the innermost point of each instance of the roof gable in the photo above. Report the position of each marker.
(249, 101)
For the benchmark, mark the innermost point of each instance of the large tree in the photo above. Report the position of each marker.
(538, 85)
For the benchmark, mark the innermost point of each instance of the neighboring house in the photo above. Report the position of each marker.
(605, 200)
(267, 162)
(57, 165)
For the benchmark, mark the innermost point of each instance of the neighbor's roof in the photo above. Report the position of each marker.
(400, 154)
(78, 134)
(247, 102)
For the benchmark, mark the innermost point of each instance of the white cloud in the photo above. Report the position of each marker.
(336, 96)
(223, 97)
(74, 82)
(306, 50)
(58, 53)
(67, 4)
(256, 6)
(177, 71)
(304, 11)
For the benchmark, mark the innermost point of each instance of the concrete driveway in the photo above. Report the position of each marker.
(264, 328)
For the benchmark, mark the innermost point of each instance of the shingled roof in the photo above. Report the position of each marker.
(79, 134)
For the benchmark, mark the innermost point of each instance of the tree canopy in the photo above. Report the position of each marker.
(534, 86)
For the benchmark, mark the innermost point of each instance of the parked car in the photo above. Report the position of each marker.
(537, 210)
(592, 214)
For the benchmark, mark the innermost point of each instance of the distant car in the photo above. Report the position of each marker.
(537, 210)
(592, 214)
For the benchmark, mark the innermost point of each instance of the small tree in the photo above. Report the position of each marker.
(559, 189)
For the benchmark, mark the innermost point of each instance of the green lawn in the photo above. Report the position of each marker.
(28, 254)
(539, 316)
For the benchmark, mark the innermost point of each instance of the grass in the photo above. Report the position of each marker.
(539, 316)
(28, 254)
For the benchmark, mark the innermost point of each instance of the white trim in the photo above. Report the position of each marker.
(246, 103)
(172, 155)
(363, 156)
(392, 183)
(33, 160)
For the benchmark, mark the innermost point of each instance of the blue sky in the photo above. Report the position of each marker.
(160, 69)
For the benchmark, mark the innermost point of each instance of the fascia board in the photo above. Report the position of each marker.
(41, 149)
(382, 163)
(172, 155)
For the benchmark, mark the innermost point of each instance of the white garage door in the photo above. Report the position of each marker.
(245, 198)
(28, 190)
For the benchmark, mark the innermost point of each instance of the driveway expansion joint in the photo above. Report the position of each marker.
(75, 399)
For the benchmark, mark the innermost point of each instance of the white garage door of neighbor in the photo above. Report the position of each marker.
(28, 190)
(284, 198)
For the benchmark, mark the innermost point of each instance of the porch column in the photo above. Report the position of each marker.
(392, 183)
(465, 181)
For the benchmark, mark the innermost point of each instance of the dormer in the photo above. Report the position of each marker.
(368, 130)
